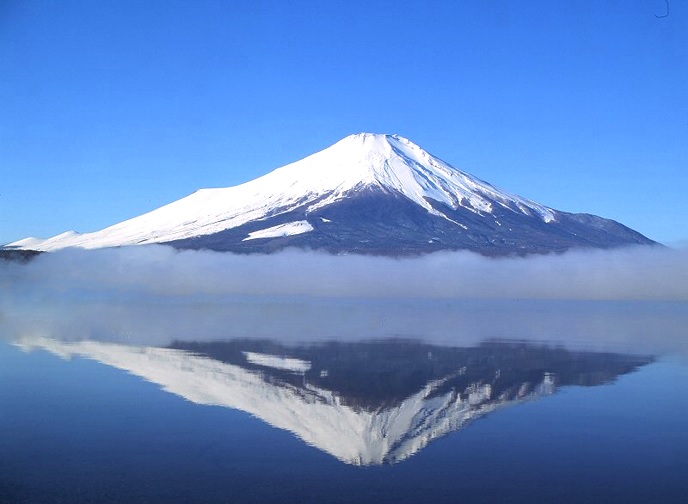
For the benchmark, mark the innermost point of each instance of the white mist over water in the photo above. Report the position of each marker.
(635, 297)
(641, 273)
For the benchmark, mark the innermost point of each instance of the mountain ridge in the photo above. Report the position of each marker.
(368, 193)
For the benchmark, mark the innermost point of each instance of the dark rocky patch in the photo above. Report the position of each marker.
(18, 255)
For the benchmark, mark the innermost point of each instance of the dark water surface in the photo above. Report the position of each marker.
(456, 417)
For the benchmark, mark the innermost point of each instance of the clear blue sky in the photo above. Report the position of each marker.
(111, 109)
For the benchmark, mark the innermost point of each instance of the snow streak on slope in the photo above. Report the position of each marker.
(318, 416)
(361, 161)
(289, 229)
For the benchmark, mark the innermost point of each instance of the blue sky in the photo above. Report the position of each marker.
(111, 109)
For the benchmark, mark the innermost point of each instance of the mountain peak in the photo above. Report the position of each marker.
(395, 163)
(377, 147)
(382, 143)
(365, 137)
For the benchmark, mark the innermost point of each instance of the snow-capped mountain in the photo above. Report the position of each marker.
(368, 193)
(337, 400)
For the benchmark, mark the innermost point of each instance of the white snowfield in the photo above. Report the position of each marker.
(317, 416)
(289, 229)
(360, 161)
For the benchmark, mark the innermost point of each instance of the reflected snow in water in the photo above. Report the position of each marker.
(109, 402)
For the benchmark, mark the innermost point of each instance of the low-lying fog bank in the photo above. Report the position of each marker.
(154, 295)
(645, 273)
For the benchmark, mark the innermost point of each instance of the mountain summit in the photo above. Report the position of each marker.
(368, 193)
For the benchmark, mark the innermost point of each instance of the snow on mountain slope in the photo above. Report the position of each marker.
(388, 162)
(316, 415)
(289, 229)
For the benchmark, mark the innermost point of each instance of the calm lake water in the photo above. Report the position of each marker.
(248, 400)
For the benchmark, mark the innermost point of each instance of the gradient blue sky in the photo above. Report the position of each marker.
(111, 109)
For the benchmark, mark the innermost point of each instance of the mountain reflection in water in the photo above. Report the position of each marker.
(365, 403)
